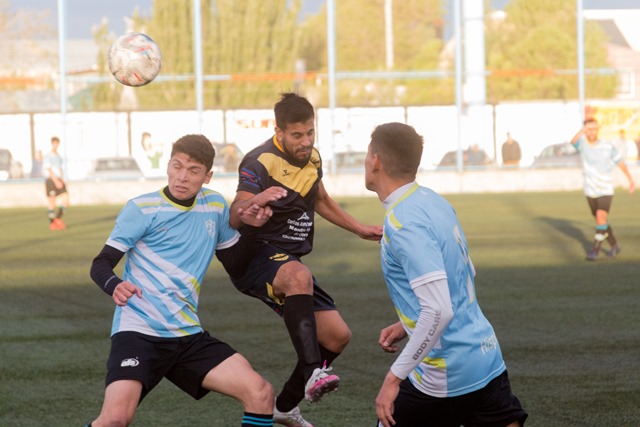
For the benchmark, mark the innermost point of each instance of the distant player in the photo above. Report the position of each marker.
(277, 275)
(56, 188)
(169, 237)
(451, 371)
(598, 161)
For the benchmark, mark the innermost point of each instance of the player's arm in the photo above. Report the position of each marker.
(330, 210)
(435, 315)
(623, 167)
(577, 136)
(235, 259)
(103, 275)
(248, 206)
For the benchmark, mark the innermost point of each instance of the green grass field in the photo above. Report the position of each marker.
(568, 328)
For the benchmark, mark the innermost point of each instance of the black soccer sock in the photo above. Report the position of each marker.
(253, 420)
(611, 238)
(293, 390)
(61, 211)
(328, 356)
(300, 321)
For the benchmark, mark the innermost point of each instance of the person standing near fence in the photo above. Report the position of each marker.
(56, 188)
(599, 158)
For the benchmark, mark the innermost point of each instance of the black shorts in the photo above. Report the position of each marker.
(602, 203)
(492, 406)
(259, 276)
(52, 190)
(184, 361)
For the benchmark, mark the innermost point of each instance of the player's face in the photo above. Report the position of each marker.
(369, 161)
(186, 176)
(591, 130)
(298, 139)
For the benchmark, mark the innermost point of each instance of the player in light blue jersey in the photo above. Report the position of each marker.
(599, 159)
(56, 188)
(169, 237)
(451, 371)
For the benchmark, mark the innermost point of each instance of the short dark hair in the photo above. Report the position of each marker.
(197, 147)
(55, 139)
(589, 120)
(399, 148)
(292, 108)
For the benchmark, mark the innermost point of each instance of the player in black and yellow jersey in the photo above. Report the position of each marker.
(277, 275)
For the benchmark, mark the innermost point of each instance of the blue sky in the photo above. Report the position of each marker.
(84, 14)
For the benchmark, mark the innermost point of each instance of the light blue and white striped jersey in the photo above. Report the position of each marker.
(168, 250)
(53, 161)
(598, 162)
(423, 242)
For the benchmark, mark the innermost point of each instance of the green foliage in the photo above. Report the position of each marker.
(537, 38)
(250, 48)
(567, 328)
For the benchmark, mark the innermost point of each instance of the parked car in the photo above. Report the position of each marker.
(9, 168)
(228, 157)
(558, 155)
(474, 158)
(345, 161)
(115, 168)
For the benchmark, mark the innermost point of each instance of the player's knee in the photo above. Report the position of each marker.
(343, 337)
(294, 278)
(260, 397)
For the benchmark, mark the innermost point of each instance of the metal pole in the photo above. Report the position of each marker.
(388, 31)
(580, 36)
(62, 71)
(331, 64)
(458, 78)
(197, 52)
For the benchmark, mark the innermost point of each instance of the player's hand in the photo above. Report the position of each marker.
(269, 195)
(59, 184)
(390, 336)
(371, 232)
(386, 397)
(255, 215)
(124, 291)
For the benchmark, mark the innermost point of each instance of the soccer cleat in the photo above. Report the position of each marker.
(320, 384)
(615, 250)
(56, 224)
(293, 418)
(61, 224)
(591, 256)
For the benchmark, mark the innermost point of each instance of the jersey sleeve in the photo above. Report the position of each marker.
(227, 235)
(131, 225)
(252, 176)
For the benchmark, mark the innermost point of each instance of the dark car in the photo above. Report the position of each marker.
(227, 159)
(474, 158)
(558, 155)
(9, 168)
(116, 168)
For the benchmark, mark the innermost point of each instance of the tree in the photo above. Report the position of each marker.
(536, 39)
(360, 46)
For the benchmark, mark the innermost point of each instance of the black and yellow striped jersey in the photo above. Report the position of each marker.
(291, 226)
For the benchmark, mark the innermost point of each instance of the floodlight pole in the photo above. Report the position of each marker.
(197, 53)
(331, 65)
(62, 71)
(457, 33)
(580, 43)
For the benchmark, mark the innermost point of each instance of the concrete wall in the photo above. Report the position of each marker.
(31, 193)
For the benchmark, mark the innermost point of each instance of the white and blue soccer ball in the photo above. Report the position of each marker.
(134, 59)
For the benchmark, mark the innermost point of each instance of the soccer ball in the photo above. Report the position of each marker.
(134, 59)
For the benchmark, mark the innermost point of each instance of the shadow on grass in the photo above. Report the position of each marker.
(568, 228)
